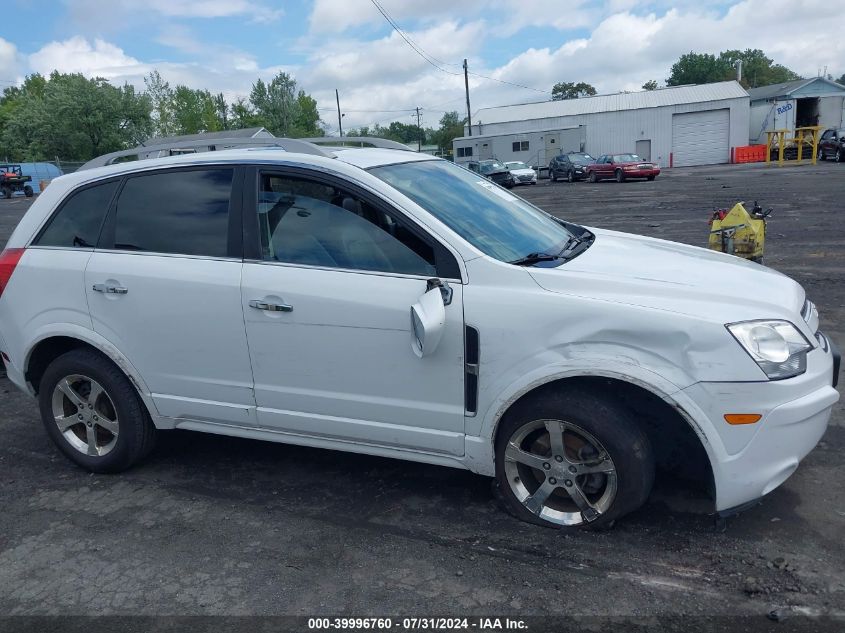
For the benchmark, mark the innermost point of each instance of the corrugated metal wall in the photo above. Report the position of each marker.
(608, 132)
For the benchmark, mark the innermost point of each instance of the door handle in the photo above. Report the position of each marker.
(270, 307)
(109, 289)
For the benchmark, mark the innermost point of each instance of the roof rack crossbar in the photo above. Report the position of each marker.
(360, 141)
(299, 146)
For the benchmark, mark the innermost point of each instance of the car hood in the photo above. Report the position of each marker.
(664, 275)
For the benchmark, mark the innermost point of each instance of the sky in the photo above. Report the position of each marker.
(516, 49)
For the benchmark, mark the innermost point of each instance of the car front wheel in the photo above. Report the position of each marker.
(572, 459)
(839, 155)
(593, 177)
(570, 176)
(620, 177)
(93, 414)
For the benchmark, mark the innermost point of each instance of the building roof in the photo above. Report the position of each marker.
(250, 132)
(786, 88)
(614, 102)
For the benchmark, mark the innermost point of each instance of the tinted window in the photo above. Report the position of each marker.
(184, 212)
(77, 224)
(308, 222)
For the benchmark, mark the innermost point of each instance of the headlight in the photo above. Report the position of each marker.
(778, 347)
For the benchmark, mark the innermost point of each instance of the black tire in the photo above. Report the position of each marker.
(552, 177)
(651, 177)
(7, 192)
(611, 424)
(136, 433)
(593, 177)
(820, 154)
(27, 191)
(570, 176)
(838, 158)
(620, 177)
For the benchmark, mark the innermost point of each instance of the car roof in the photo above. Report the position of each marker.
(363, 158)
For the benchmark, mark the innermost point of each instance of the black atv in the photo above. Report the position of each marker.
(12, 180)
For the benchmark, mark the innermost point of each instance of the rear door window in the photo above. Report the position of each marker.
(183, 212)
(79, 219)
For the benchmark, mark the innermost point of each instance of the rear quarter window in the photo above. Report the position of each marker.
(79, 218)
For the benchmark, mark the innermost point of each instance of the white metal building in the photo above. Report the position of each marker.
(678, 126)
(792, 104)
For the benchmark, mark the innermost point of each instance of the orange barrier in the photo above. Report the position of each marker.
(749, 154)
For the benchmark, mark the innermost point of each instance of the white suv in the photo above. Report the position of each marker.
(390, 303)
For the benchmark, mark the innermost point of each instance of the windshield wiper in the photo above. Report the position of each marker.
(533, 258)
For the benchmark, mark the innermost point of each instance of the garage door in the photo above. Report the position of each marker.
(701, 138)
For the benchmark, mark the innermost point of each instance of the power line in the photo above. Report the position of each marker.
(440, 63)
(415, 47)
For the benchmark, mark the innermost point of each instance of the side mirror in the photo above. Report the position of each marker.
(428, 318)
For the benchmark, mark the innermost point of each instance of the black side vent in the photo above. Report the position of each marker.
(471, 357)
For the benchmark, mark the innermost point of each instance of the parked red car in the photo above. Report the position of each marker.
(621, 167)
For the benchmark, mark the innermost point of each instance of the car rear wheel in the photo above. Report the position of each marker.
(839, 155)
(7, 192)
(651, 178)
(27, 191)
(593, 177)
(552, 177)
(620, 177)
(93, 414)
(572, 459)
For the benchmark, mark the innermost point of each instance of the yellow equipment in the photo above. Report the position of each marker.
(738, 232)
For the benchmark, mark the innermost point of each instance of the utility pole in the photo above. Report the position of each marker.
(419, 131)
(339, 124)
(466, 85)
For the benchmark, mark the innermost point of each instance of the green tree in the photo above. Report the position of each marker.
(651, 84)
(702, 68)
(570, 90)
(451, 127)
(76, 118)
(275, 104)
(242, 115)
(194, 111)
(307, 120)
(841, 79)
(161, 98)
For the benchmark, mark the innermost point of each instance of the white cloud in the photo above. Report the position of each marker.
(120, 14)
(78, 55)
(9, 63)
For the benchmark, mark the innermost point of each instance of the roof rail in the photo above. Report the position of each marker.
(299, 146)
(359, 141)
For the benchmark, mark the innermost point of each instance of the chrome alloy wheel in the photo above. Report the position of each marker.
(560, 472)
(85, 415)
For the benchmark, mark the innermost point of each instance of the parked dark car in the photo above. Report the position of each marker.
(494, 170)
(571, 166)
(832, 145)
(621, 167)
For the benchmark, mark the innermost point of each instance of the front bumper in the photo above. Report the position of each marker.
(752, 460)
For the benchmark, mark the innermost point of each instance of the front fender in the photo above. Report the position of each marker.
(480, 450)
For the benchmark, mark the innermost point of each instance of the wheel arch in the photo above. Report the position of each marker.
(680, 443)
(48, 346)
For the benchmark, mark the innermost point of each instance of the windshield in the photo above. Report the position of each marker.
(516, 164)
(491, 166)
(581, 159)
(490, 218)
(625, 158)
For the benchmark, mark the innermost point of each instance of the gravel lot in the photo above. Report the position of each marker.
(214, 525)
